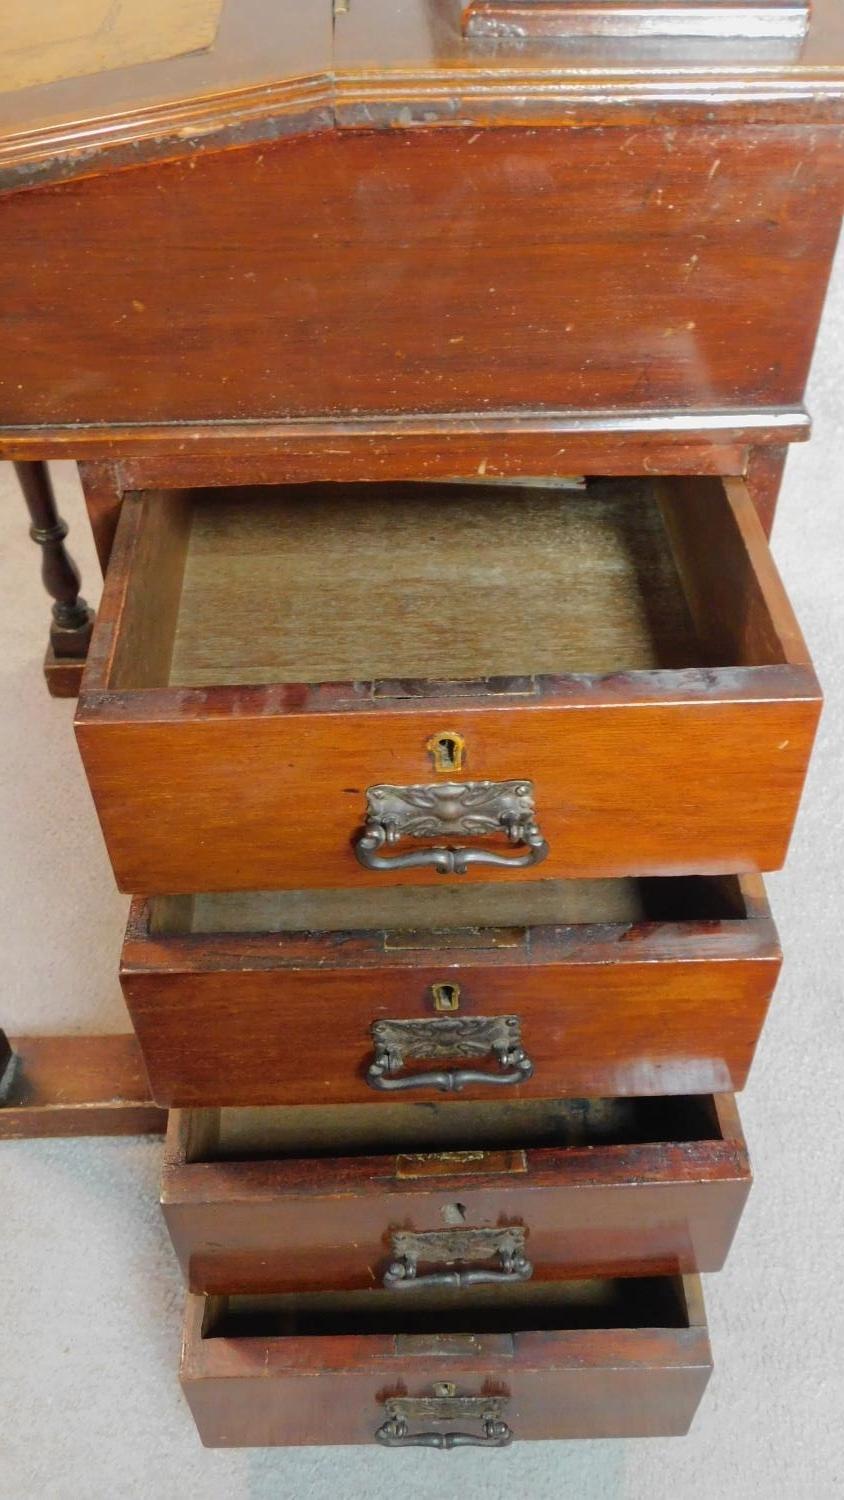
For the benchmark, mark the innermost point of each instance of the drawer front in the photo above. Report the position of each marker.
(324, 783)
(271, 1038)
(470, 1216)
(619, 789)
(354, 1018)
(348, 254)
(249, 1390)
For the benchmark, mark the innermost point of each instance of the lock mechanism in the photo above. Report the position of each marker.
(446, 996)
(448, 750)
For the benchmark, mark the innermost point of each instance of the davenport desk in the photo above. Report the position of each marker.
(431, 369)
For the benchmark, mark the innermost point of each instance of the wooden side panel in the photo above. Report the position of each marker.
(103, 488)
(763, 477)
(247, 1035)
(425, 271)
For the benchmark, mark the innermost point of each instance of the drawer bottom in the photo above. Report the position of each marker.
(590, 1358)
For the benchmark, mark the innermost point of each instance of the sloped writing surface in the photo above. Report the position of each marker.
(50, 40)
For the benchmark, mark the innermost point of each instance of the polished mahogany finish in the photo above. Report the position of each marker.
(600, 1187)
(387, 294)
(74, 1085)
(523, 20)
(684, 752)
(566, 1360)
(401, 298)
(346, 243)
(668, 1001)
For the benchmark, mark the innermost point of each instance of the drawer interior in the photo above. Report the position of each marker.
(639, 1302)
(429, 909)
(336, 583)
(461, 1125)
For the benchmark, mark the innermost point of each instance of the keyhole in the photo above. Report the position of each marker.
(454, 1214)
(448, 749)
(446, 996)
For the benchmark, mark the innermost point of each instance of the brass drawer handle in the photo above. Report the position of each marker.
(494, 1255)
(444, 1406)
(398, 1042)
(450, 809)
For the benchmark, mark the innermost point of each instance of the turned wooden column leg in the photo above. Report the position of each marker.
(70, 631)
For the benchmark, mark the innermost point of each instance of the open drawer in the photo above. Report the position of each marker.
(357, 685)
(551, 989)
(572, 1359)
(462, 1194)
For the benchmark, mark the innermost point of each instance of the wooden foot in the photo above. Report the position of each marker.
(63, 678)
(74, 1085)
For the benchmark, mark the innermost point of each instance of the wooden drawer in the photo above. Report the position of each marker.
(306, 1199)
(578, 989)
(279, 685)
(574, 1359)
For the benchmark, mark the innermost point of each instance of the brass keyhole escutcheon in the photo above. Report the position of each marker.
(446, 997)
(448, 750)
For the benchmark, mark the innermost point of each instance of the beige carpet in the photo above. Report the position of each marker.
(91, 1408)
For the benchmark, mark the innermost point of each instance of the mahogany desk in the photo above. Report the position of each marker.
(364, 245)
(422, 240)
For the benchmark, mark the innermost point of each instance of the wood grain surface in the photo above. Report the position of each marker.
(660, 772)
(75, 1086)
(428, 582)
(670, 1003)
(520, 20)
(616, 1188)
(425, 276)
(252, 1379)
(278, 65)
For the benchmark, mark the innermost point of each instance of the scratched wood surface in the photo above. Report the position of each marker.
(279, 65)
(600, 1187)
(645, 772)
(671, 1003)
(270, 284)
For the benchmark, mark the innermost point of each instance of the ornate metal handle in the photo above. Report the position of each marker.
(503, 1250)
(450, 809)
(397, 1042)
(444, 1406)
